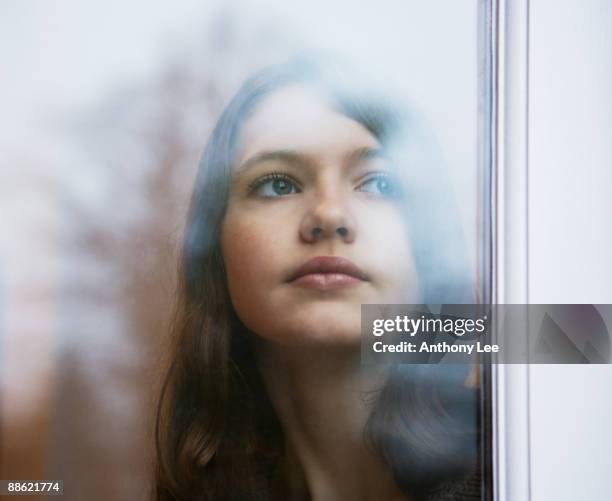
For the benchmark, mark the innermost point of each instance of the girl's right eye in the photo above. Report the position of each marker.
(274, 185)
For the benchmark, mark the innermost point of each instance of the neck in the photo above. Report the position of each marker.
(323, 398)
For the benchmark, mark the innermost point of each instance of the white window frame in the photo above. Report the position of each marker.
(507, 135)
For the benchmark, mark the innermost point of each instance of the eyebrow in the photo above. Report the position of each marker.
(296, 157)
(288, 156)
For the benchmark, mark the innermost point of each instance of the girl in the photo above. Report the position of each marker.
(313, 197)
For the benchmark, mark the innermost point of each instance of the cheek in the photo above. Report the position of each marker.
(390, 252)
(249, 253)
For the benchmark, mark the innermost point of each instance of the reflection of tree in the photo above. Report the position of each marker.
(142, 147)
(23, 443)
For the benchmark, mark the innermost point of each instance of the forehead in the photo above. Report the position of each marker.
(298, 119)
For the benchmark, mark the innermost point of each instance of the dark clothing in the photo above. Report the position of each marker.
(468, 489)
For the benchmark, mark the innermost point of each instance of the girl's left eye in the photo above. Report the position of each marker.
(380, 184)
(274, 185)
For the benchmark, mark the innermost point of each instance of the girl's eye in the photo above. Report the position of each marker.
(380, 184)
(274, 185)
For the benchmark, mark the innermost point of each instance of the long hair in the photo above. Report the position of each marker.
(217, 437)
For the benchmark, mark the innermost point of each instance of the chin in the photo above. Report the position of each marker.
(306, 323)
(340, 330)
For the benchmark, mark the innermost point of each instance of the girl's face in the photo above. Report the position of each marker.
(314, 227)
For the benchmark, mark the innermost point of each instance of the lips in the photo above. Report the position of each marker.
(326, 273)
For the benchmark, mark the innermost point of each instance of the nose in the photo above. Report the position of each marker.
(328, 217)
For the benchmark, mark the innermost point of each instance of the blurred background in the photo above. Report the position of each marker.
(105, 110)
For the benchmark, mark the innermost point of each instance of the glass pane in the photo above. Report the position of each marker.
(206, 195)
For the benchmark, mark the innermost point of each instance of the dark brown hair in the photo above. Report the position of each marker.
(217, 437)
